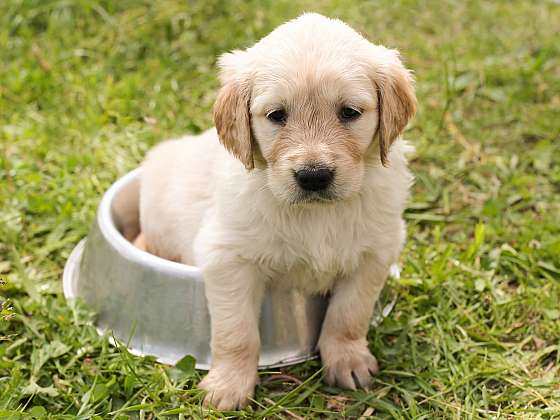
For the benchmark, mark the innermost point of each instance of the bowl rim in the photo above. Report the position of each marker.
(119, 243)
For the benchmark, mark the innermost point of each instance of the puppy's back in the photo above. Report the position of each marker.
(175, 192)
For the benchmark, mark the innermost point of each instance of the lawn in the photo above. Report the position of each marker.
(87, 86)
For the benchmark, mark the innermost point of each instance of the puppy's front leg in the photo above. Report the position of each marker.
(343, 342)
(234, 291)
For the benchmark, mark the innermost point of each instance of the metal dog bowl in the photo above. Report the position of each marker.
(158, 307)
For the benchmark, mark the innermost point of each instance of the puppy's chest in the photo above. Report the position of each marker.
(311, 255)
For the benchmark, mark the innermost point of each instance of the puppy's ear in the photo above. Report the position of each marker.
(395, 97)
(231, 110)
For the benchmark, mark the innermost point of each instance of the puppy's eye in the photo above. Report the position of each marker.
(349, 114)
(278, 116)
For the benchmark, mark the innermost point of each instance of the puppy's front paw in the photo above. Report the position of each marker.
(227, 388)
(348, 364)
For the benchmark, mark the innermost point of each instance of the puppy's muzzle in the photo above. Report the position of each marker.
(314, 179)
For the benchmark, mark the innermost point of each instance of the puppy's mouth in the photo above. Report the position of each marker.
(314, 197)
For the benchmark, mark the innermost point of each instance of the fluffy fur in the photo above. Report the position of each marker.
(227, 201)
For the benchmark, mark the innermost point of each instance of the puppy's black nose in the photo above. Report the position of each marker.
(314, 179)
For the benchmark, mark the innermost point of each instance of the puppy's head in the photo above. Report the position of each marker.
(312, 104)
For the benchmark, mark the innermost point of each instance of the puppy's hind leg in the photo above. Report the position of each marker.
(140, 242)
(234, 290)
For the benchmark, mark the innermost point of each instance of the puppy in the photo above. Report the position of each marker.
(303, 181)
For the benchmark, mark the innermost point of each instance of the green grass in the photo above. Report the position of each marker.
(87, 86)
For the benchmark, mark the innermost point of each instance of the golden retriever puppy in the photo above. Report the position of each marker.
(303, 181)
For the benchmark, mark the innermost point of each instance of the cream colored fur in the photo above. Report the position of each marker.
(234, 209)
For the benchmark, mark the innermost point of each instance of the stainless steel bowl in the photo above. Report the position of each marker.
(158, 307)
